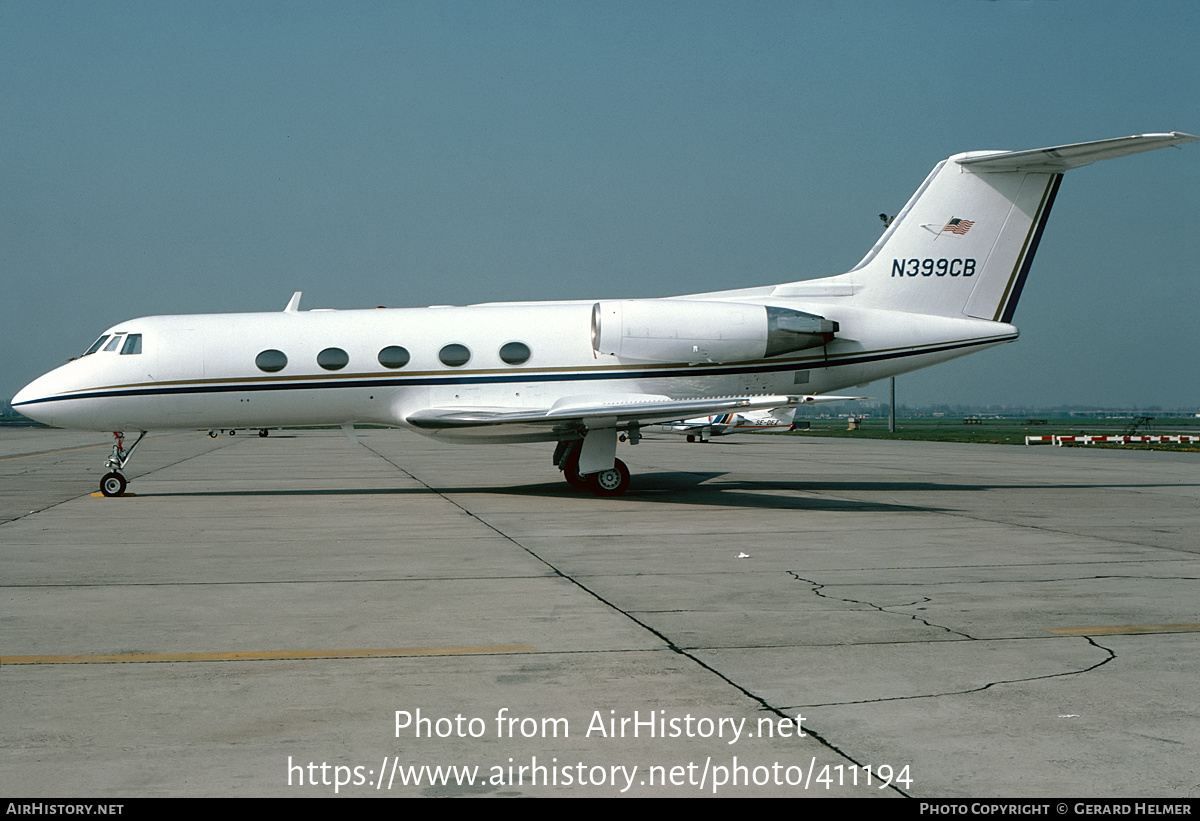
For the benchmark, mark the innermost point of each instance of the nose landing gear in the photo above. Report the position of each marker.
(114, 482)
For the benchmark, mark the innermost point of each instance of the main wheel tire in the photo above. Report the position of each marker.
(212, 434)
(571, 471)
(611, 482)
(691, 438)
(263, 433)
(113, 484)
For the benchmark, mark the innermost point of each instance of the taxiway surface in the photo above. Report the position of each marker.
(974, 620)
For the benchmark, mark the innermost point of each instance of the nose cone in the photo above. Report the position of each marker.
(35, 399)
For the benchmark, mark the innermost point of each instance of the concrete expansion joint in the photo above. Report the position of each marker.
(670, 645)
(132, 474)
(1058, 531)
(784, 713)
(667, 641)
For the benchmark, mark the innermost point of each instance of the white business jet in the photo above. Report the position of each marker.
(941, 282)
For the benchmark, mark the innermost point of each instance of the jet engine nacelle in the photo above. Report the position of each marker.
(693, 331)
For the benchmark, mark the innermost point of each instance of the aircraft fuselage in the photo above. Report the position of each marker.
(200, 371)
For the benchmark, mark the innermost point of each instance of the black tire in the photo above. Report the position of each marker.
(263, 433)
(212, 434)
(113, 484)
(571, 471)
(691, 438)
(612, 482)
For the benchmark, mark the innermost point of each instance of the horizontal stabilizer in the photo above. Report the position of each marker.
(1065, 157)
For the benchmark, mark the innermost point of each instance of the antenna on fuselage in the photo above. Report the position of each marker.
(293, 304)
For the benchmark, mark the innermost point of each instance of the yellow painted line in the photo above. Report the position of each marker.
(264, 655)
(1127, 629)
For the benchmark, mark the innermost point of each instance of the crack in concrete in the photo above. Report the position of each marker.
(817, 588)
(671, 645)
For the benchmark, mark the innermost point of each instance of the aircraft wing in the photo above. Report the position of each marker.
(596, 412)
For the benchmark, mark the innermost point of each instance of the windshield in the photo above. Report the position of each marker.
(96, 345)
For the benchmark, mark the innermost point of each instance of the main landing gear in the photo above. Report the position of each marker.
(114, 482)
(613, 481)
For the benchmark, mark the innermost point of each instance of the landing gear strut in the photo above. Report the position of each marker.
(114, 482)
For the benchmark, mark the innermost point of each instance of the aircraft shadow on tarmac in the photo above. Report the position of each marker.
(658, 488)
(703, 488)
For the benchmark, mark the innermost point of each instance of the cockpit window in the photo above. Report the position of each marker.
(96, 345)
(113, 343)
(133, 344)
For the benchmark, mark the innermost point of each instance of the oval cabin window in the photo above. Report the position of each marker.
(271, 361)
(393, 356)
(514, 353)
(333, 359)
(455, 355)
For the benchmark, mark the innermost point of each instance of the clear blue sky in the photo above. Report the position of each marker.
(216, 156)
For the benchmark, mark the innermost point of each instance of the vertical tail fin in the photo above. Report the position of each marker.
(964, 243)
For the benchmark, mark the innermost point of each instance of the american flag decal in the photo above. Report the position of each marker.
(958, 226)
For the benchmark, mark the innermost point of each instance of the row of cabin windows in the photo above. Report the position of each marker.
(132, 344)
(453, 355)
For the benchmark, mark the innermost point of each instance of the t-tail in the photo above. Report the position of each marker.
(964, 243)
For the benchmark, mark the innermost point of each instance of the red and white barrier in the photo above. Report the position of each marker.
(1111, 440)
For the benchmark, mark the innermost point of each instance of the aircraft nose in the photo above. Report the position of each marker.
(29, 400)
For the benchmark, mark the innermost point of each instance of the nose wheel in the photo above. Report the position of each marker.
(114, 482)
